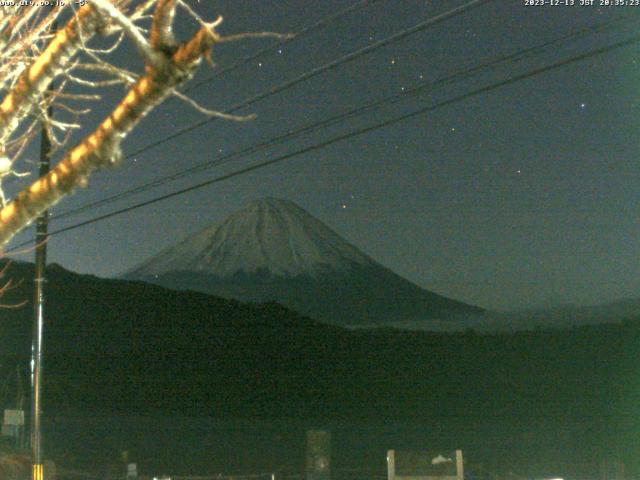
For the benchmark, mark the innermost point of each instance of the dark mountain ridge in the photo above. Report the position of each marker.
(123, 347)
(172, 338)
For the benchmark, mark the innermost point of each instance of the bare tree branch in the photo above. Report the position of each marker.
(162, 26)
(34, 80)
(172, 65)
(129, 28)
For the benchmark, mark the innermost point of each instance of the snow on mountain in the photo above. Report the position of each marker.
(273, 250)
(269, 235)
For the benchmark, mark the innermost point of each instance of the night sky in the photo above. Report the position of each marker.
(523, 196)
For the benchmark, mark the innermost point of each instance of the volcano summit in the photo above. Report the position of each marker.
(273, 250)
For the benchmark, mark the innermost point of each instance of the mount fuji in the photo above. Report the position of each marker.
(273, 250)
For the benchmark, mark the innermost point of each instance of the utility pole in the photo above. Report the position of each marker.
(38, 317)
(42, 224)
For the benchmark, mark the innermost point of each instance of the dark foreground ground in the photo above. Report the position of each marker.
(206, 446)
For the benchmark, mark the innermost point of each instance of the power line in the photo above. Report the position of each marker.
(305, 76)
(355, 133)
(323, 68)
(296, 36)
(429, 86)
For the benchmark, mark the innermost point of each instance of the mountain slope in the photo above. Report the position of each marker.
(109, 335)
(129, 347)
(268, 235)
(273, 250)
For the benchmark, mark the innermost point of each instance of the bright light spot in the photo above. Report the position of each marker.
(440, 459)
(5, 164)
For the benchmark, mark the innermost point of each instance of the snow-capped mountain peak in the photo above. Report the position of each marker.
(270, 235)
(272, 250)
